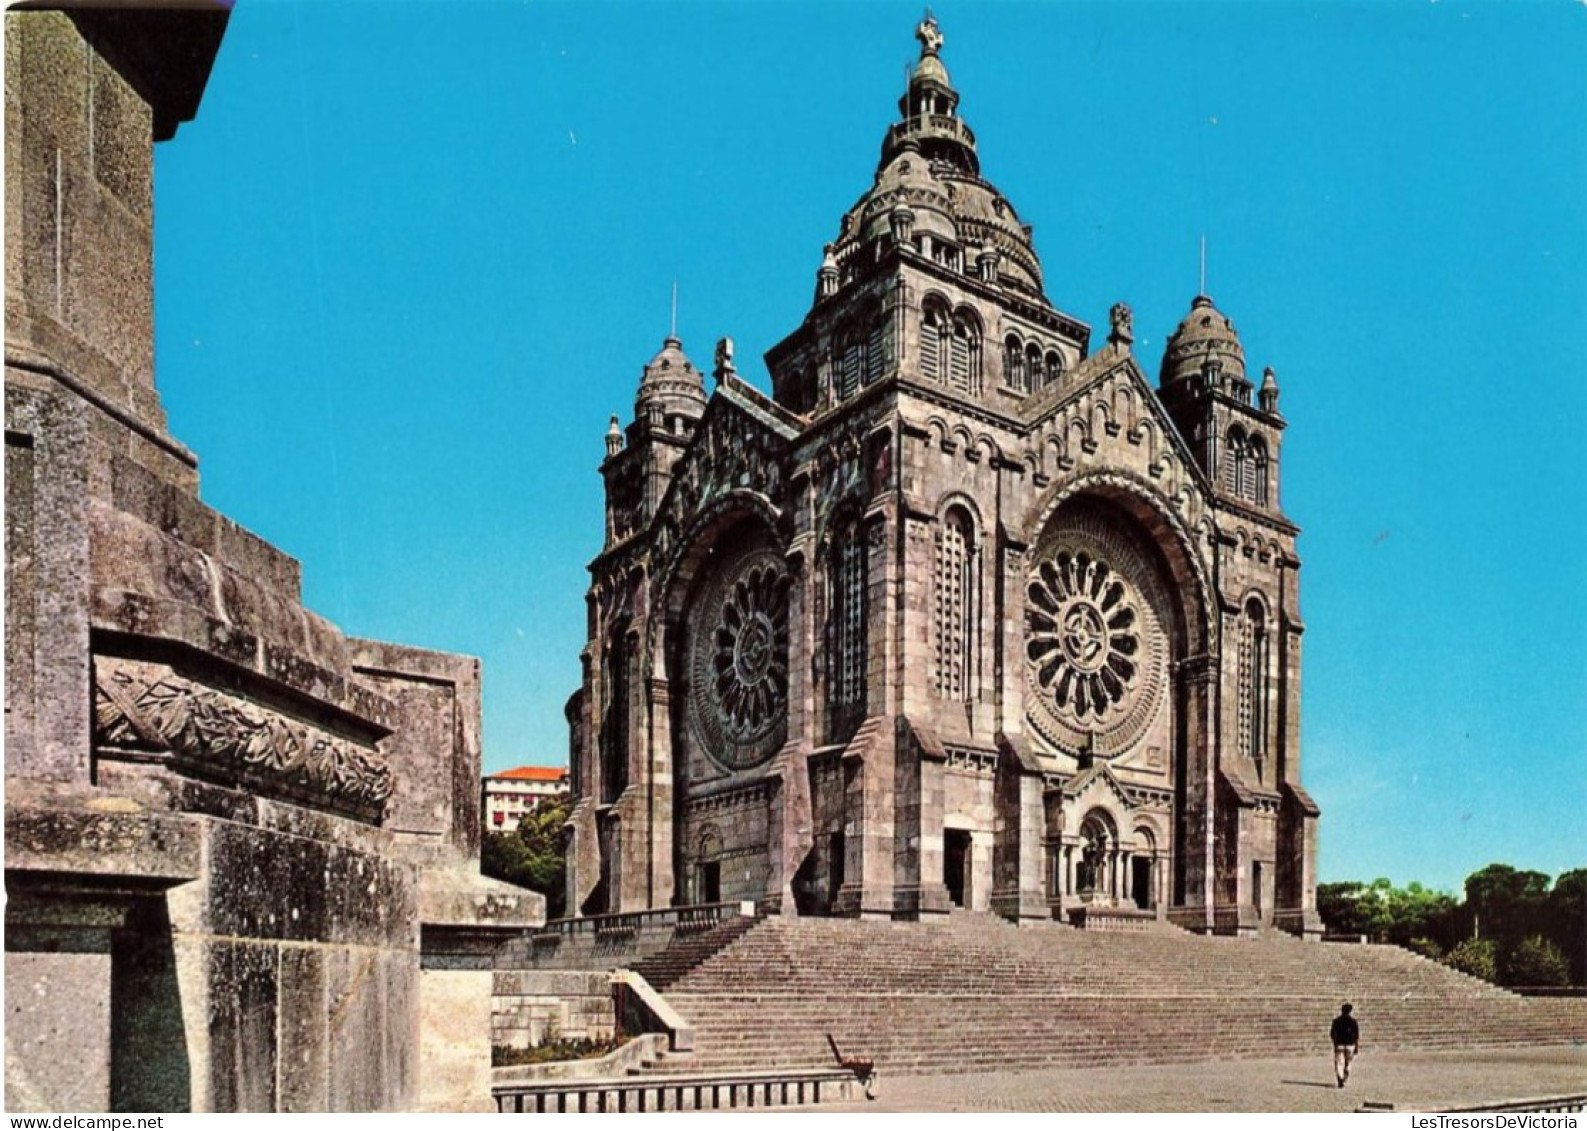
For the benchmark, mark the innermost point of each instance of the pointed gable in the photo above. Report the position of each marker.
(741, 443)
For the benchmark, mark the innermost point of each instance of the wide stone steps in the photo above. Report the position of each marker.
(687, 952)
(974, 993)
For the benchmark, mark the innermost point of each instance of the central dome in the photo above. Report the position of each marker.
(929, 174)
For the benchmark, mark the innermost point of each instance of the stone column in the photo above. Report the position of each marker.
(793, 837)
(922, 798)
(1198, 680)
(871, 806)
(632, 810)
(659, 784)
(1017, 836)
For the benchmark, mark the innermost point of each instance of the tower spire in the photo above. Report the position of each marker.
(672, 332)
(930, 109)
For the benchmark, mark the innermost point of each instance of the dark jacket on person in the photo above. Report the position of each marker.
(1345, 1031)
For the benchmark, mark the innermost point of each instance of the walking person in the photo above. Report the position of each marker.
(1346, 1036)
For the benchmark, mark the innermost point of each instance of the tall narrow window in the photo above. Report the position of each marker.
(1260, 696)
(1055, 367)
(959, 369)
(970, 326)
(1014, 365)
(1034, 377)
(846, 635)
(1248, 474)
(954, 635)
(932, 329)
(876, 349)
(1258, 471)
(1253, 676)
(1234, 456)
(614, 731)
(850, 362)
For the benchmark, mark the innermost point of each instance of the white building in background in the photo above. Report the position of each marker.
(512, 793)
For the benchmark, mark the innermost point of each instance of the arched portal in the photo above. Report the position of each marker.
(1118, 666)
(1099, 840)
(727, 664)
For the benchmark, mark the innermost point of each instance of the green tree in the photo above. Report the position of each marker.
(1505, 902)
(1477, 957)
(532, 856)
(1535, 961)
(1386, 913)
(1416, 912)
(1350, 908)
(1565, 920)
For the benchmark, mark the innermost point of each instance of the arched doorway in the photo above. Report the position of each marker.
(1143, 871)
(1095, 879)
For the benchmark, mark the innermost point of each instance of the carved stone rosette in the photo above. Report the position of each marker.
(738, 705)
(1096, 640)
(143, 708)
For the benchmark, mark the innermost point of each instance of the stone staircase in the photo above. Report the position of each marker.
(687, 951)
(973, 993)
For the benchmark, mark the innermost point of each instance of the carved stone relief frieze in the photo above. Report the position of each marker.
(145, 708)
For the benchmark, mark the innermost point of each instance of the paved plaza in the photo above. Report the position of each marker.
(1411, 1081)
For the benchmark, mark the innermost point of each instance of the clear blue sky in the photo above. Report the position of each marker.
(412, 255)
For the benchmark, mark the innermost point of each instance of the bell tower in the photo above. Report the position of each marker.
(1233, 428)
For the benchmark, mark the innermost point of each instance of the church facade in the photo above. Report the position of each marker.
(967, 613)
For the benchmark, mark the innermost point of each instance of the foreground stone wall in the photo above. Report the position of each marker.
(534, 1006)
(241, 847)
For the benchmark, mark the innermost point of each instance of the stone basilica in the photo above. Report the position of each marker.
(967, 613)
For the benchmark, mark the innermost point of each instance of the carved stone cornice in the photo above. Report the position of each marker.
(146, 709)
(732, 797)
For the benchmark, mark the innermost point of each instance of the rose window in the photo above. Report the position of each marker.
(1084, 640)
(749, 661)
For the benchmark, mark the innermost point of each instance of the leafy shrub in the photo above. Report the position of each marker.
(1427, 948)
(1536, 961)
(558, 1048)
(1477, 957)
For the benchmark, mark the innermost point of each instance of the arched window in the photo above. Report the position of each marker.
(1014, 365)
(1258, 471)
(876, 350)
(1035, 378)
(1234, 457)
(1055, 367)
(933, 331)
(846, 630)
(615, 708)
(965, 358)
(1253, 675)
(849, 361)
(955, 592)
